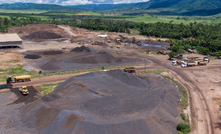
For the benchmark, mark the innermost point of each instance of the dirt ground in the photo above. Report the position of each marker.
(200, 81)
(207, 80)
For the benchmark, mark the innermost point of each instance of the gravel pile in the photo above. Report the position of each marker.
(43, 35)
(52, 52)
(101, 57)
(81, 49)
(111, 102)
(32, 56)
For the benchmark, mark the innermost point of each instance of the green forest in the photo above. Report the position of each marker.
(206, 39)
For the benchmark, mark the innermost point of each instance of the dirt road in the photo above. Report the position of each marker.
(200, 112)
(68, 30)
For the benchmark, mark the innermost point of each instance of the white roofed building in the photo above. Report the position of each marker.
(11, 39)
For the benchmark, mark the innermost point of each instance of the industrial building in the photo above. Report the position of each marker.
(9, 40)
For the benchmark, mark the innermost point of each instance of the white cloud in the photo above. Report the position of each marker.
(128, 1)
(76, 2)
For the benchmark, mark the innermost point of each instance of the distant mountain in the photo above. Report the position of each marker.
(27, 6)
(157, 7)
(186, 4)
(102, 6)
(183, 7)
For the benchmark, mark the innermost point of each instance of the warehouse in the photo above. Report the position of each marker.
(10, 40)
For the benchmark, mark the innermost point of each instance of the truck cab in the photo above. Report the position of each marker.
(174, 63)
(24, 90)
(183, 64)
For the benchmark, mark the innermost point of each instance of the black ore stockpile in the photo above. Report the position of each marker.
(32, 56)
(112, 102)
(43, 35)
(81, 49)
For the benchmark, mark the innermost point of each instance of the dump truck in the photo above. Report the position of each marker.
(202, 63)
(130, 69)
(108, 41)
(24, 90)
(206, 59)
(188, 64)
(162, 52)
(22, 78)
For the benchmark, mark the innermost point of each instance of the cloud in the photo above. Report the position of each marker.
(76, 2)
(73, 2)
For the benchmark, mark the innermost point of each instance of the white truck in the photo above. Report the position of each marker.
(187, 64)
(174, 63)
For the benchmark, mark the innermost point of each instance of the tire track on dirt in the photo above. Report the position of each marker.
(203, 122)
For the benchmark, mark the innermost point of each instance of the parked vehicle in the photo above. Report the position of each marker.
(202, 63)
(130, 69)
(6, 86)
(162, 52)
(206, 59)
(174, 63)
(188, 64)
(22, 78)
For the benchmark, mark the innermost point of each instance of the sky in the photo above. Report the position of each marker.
(73, 2)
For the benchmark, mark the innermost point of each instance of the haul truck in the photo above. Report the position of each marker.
(22, 78)
(130, 69)
(8, 83)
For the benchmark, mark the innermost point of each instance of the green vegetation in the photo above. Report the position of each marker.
(183, 128)
(47, 88)
(154, 71)
(13, 71)
(183, 117)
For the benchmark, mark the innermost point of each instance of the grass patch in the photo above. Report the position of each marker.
(47, 88)
(154, 71)
(13, 71)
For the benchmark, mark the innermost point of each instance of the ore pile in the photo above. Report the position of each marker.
(81, 49)
(43, 35)
(32, 56)
(52, 52)
(101, 57)
(112, 102)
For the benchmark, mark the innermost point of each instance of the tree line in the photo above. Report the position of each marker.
(204, 38)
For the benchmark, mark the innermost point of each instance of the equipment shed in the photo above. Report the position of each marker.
(10, 40)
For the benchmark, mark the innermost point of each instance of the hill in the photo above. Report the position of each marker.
(183, 7)
(27, 6)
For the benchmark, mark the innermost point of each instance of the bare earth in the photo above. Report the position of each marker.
(202, 82)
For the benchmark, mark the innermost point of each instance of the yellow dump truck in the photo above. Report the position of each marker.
(24, 90)
(22, 78)
(162, 52)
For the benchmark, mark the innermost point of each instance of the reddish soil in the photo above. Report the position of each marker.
(36, 28)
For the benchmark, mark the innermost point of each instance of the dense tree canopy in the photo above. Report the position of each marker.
(204, 38)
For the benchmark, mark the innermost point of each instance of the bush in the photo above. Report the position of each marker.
(171, 54)
(184, 128)
(218, 54)
(203, 50)
(102, 68)
(183, 117)
(39, 72)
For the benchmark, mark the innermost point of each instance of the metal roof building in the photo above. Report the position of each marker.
(10, 40)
